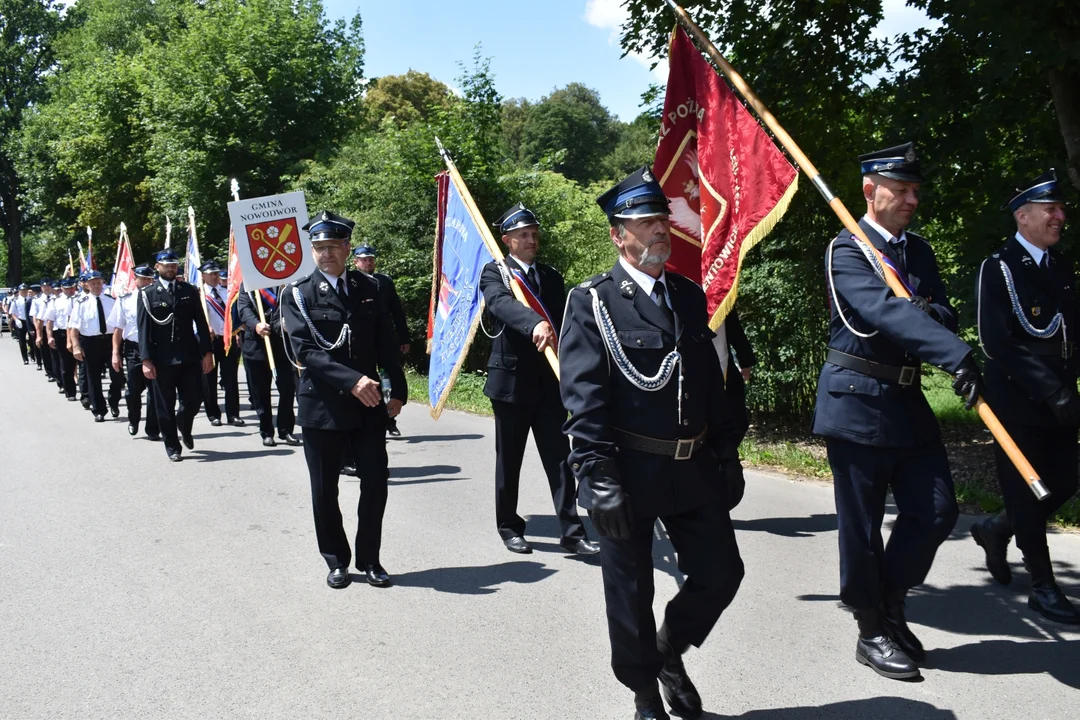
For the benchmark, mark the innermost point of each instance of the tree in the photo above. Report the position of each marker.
(573, 120)
(412, 97)
(28, 29)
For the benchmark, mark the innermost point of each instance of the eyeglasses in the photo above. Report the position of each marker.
(324, 249)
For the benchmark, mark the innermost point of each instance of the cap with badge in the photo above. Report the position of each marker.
(1043, 189)
(166, 257)
(24, 286)
(47, 281)
(638, 196)
(328, 226)
(516, 217)
(144, 271)
(210, 266)
(94, 275)
(35, 286)
(363, 251)
(897, 163)
(70, 281)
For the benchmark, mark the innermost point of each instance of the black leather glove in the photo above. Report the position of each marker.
(924, 305)
(968, 382)
(1066, 407)
(735, 482)
(611, 506)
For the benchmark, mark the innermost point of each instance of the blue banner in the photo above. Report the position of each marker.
(460, 255)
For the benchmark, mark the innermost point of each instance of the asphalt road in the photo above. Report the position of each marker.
(135, 588)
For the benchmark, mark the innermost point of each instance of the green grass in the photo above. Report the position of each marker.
(467, 394)
(949, 409)
(785, 455)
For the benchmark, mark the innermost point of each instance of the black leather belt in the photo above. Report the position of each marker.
(131, 345)
(904, 375)
(680, 449)
(1062, 350)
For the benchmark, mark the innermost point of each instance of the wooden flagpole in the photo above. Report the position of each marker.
(988, 417)
(489, 240)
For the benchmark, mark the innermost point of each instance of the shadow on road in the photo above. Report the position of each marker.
(1060, 659)
(216, 455)
(424, 471)
(879, 708)
(790, 526)
(436, 438)
(482, 580)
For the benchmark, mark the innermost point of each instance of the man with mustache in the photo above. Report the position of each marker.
(879, 430)
(1027, 304)
(653, 439)
(521, 385)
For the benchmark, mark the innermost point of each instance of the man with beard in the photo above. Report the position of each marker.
(1026, 305)
(124, 321)
(653, 439)
(521, 385)
(341, 336)
(175, 349)
(57, 318)
(879, 430)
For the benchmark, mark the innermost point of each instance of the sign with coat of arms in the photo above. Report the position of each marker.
(270, 245)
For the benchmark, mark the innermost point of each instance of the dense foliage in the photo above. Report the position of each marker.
(125, 110)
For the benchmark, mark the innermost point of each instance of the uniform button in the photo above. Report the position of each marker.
(340, 392)
(685, 422)
(639, 342)
(686, 396)
(577, 466)
(851, 388)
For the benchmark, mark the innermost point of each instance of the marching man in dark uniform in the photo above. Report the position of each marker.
(653, 439)
(1027, 304)
(879, 430)
(174, 345)
(341, 334)
(523, 389)
(228, 364)
(364, 259)
(258, 366)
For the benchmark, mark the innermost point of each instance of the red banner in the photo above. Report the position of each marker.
(123, 280)
(727, 182)
(233, 291)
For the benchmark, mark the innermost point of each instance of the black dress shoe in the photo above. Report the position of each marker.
(133, 429)
(338, 578)
(376, 575)
(61, 391)
(189, 442)
(886, 658)
(71, 399)
(393, 431)
(269, 442)
(1047, 599)
(290, 439)
(99, 418)
(348, 470)
(156, 437)
(174, 455)
(237, 422)
(216, 422)
(517, 544)
(649, 706)
(992, 535)
(896, 627)
(680, 693)
(114, 411)
(583, 546)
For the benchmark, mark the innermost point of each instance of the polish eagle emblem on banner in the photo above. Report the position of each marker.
(275, 247)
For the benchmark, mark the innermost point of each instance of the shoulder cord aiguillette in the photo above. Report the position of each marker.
(345, 336)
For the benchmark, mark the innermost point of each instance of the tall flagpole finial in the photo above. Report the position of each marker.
(234, 188)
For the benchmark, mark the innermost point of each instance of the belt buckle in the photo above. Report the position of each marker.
(907, 375)
(684, 448)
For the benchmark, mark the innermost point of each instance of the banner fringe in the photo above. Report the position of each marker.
(763, 228)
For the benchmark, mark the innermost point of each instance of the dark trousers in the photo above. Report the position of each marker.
(136, 383)
(67, 363)
(322, 450)
(176, 382)
(31, 343)
(84, 385)
(97, 352)
(708, 554)
(513, 422)
(57, 366)
(228, 366)
(260, 375)
(922, 487)
(1053, 454)
(45, 355)
(21, 335)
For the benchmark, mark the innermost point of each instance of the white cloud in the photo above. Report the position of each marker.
(610, 15)
(898, 17)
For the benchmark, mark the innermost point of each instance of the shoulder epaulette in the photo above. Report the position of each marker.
(595, 280)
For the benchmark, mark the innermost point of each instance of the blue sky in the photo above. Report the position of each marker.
(535, 46)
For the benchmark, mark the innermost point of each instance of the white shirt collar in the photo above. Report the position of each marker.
(332, 279)
(165, 283)
(526, 266)
(885, 233)
(1035, 252)
(644, 281)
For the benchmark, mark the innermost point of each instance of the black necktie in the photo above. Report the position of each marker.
(661, 294)
(900, 246)
(27, 310)
(531, 275)
(213, 291)
(171, 293)
(341, 288)
(1045, 262)
(100, 316)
